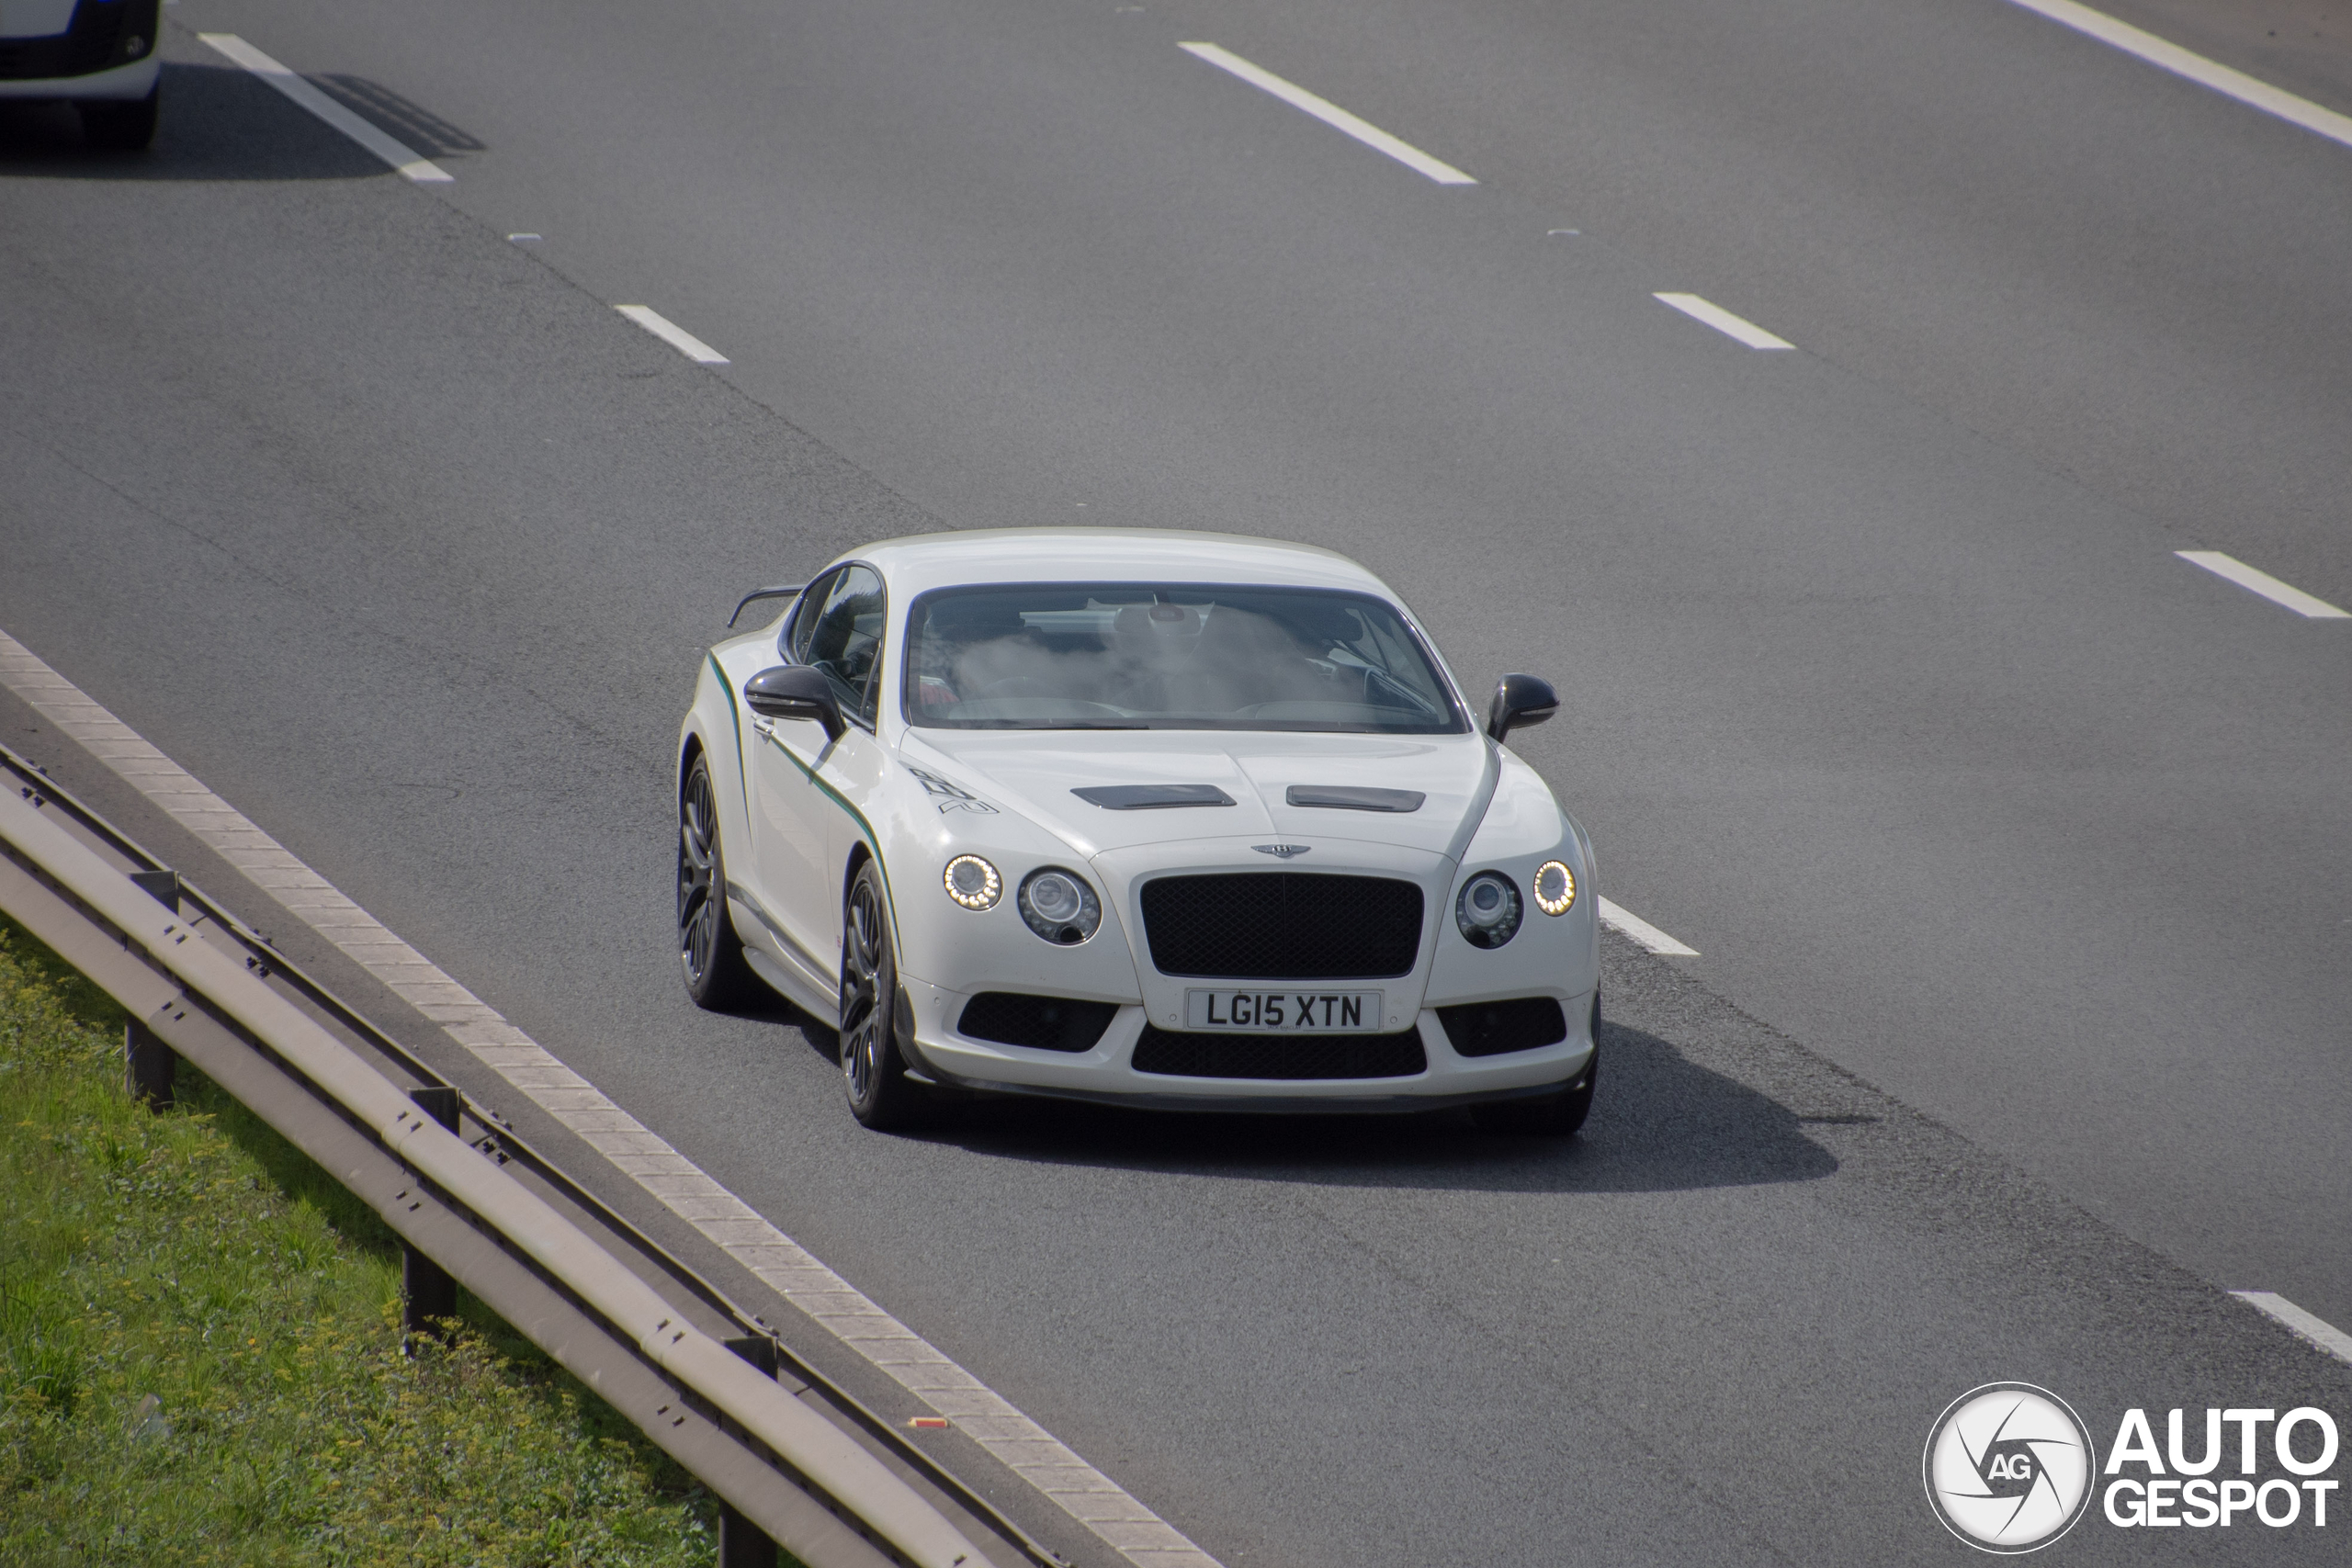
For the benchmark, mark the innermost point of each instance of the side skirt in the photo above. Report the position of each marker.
(789, 984)
(778, 961)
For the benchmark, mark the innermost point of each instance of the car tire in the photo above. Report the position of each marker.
(881, 1095)
(1555, 1114)
(709, 953)
(125, 125)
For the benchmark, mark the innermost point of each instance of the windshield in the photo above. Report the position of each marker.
(1169, 656)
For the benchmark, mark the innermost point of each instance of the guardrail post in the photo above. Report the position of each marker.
(163, 886)
(741, 1543)
(148, 1066)
(426, 1290)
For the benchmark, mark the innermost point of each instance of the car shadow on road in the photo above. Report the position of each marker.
(220, 123)
(1660, 1122)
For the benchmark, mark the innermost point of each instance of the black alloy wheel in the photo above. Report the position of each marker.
(708, 950)
(1555, 1114)
(880, 1094)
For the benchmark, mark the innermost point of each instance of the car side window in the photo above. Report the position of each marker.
(795, 642)
(844, 641)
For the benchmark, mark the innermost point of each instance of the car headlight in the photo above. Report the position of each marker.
(1059, 906)
(973, 882)
(1487, 909)
(1555, 887)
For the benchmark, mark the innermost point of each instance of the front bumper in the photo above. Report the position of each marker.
(1106, 1073)
(125, 83)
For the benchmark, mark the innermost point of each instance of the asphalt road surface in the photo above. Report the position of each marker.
(2016, 847)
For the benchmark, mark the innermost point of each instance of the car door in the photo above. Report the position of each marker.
(805, 783)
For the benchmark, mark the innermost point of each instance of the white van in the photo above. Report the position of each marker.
(102, 56)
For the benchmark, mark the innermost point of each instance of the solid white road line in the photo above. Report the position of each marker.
(1331, 114)
(2316, 1330)
(407, 162)
(1028, 1449)
(1723, 320)
(1641, 931)
(669, 332)
(2196, 67)
(2262, 583)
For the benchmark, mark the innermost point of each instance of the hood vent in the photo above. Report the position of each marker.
(1151, 798)
(1353, 797)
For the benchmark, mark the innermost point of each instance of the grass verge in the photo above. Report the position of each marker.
(199, 1350)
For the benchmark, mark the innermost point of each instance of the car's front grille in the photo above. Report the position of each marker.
(1164, 1050)
(1042, 1023)
(1490, 1029)
(92, 41)
(1282, 925)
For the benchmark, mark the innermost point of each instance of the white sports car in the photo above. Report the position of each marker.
(1170, 820)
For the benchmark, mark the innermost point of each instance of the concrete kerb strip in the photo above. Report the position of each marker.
(1022, 1446)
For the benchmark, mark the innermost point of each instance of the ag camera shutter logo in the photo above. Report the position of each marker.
(2008, 1467)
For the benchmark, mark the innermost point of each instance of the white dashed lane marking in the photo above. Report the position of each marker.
(669, 332)
(2262, 583)
(1331, 114)
(2205, 72)
(1022, 1446)
(1641, 932)
(1723, 320)
(2311, 1326)
(409, 162)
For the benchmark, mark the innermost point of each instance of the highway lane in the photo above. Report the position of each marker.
(466, 501)
(1032, 262)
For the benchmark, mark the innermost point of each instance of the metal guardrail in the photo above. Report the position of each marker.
(793, 1457)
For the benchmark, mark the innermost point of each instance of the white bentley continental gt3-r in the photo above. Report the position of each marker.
(1177, 820)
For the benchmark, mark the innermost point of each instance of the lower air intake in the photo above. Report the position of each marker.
(1165, 1051)
(1492, 1029)
(1042, 1023)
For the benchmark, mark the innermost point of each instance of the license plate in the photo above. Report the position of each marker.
(1284, 1012)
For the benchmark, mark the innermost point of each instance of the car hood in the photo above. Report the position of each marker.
(1034, 772)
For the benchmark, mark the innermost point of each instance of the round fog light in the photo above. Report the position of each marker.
(973, 883)
(1487, 909)
(1555, 887)
(1059, 906)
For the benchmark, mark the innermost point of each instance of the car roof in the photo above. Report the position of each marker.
(925, 561)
